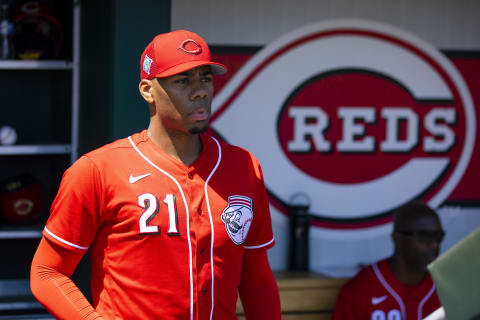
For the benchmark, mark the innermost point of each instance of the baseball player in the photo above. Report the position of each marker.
(176, 221)
(400, 287)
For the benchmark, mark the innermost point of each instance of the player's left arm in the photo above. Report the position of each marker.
(258, 288)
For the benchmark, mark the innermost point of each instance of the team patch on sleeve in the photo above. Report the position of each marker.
(237, 217)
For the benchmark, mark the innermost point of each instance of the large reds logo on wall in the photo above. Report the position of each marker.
(359, 116)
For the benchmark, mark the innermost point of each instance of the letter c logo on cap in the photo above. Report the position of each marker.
(190, 46)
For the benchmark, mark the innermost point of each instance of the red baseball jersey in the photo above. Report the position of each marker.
(166, 239)
(376, 294)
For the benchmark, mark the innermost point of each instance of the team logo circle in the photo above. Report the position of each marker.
(360, 116)
(190, 46)
(23, 206)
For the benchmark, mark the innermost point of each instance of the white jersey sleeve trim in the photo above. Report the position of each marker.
(64, 241)
(261, 245)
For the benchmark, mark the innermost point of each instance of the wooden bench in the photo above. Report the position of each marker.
(305, 295)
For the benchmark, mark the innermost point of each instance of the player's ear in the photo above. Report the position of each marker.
(145, 87)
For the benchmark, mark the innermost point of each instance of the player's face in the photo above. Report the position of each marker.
(184, 100)
(420, 242)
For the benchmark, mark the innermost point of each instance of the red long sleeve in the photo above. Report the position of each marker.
(50, 282)
(258, 289)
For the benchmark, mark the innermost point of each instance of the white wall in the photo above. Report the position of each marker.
(447, 24)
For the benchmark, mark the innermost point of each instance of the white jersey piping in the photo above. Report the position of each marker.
(390, 290)
(211, 223)
(420, 306)
(64, 241)
(188, 219)
(260, 245)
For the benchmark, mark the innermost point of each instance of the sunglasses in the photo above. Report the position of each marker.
(425, 235)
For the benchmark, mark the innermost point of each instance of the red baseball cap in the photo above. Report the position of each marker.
(175, 52)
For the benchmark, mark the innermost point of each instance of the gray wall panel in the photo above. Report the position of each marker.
(447, 24)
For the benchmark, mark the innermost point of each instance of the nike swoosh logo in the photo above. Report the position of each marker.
(133, 179)
(377, 300)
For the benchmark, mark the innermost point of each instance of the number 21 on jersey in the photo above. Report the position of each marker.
(150, 204)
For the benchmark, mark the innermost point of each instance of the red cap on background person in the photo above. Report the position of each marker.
(175, 52)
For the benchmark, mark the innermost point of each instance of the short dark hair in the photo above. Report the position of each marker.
(411, 211)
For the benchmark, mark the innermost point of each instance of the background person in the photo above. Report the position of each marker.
(400, 286)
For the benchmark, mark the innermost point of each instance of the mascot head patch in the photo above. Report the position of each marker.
(237, 217)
